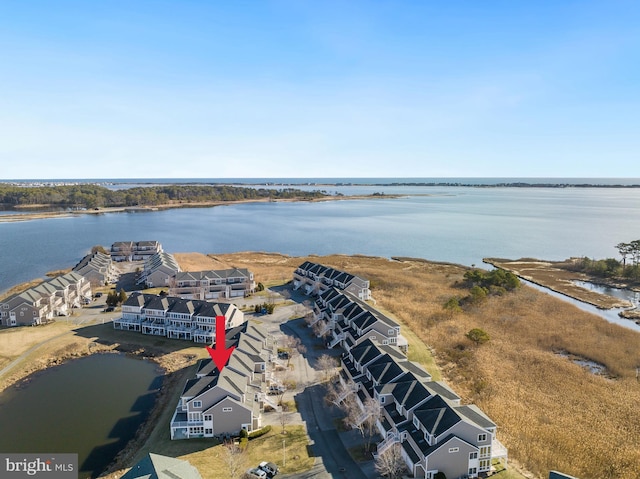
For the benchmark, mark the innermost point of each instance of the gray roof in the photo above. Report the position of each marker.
(155, 466)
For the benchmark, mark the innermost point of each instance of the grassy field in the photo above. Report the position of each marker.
(208, 455)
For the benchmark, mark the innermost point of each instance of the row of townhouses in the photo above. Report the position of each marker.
(44, 302)
(315, 278)
(98, 268)
(213, 284)
(134, 251)
(424, 418)
(215, 403)
(175, 318)
(347, 321)
(158, 270)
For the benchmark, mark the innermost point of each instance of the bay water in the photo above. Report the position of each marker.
(454, 224)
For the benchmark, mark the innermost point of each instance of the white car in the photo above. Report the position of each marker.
(269, 467)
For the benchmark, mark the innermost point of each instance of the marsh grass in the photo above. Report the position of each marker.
(551, 413)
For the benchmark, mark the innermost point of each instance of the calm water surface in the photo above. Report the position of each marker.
(90, 406)
(455, 224)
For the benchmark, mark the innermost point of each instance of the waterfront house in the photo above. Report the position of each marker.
(158, 270)
(212, 284)
(347, 320)
(42, 303)
(176, 318)
(215, 403)
(134, 251)
(314, 279)
(435, 432)
(98, 268)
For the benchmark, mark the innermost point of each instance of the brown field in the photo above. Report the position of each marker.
(551, 413)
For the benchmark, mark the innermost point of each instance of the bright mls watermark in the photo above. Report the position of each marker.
(45, 466)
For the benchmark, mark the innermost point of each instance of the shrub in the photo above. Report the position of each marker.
(259, 432)
(243, 433)
(244, 442)
(478, 336)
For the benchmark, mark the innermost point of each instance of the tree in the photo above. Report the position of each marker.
(113, 299)
(452, 306)
(99, 249)
(235, 459)
(327, 364)
(293, 346)
(390, 463)
(477, 294)
(478, 336)
(372, 412)
(122, 296)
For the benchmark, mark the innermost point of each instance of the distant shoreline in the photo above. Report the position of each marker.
(16, 217)
(341, 182)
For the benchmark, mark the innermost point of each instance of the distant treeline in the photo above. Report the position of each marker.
(94, 196)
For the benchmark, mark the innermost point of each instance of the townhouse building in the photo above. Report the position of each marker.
(43, 303)
(212, 284)
(314, 279)
(214, 403)
(346, 320)
(158, 270)
(176, 318)
(434, 431)
(134, 251)
(98, 268)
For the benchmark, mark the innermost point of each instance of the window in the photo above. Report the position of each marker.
(485, 464)
(473, 455)
(227, 409)
(485, 451)
(416, 423)
(453, 449)
(208, 417)
(391, 332)
(473, 471)
(197, 404)
(382, 398)
(482, 437)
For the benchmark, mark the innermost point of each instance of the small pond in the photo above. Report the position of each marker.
(90, 406)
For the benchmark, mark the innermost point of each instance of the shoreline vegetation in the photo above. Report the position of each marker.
(91, 199)
(525, 377)
(562, 277)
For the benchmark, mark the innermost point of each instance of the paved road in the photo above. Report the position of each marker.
(328, 445)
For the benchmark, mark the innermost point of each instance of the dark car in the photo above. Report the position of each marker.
(97, 295)
(109, 309)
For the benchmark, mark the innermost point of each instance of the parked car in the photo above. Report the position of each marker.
(257, 472)
(283, 355)
(275, 389)
(269, 467)
(97, 295)
(110, 309)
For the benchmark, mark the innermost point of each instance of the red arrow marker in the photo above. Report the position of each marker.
(220, 354)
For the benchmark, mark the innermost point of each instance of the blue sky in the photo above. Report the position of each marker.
(217, 89)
